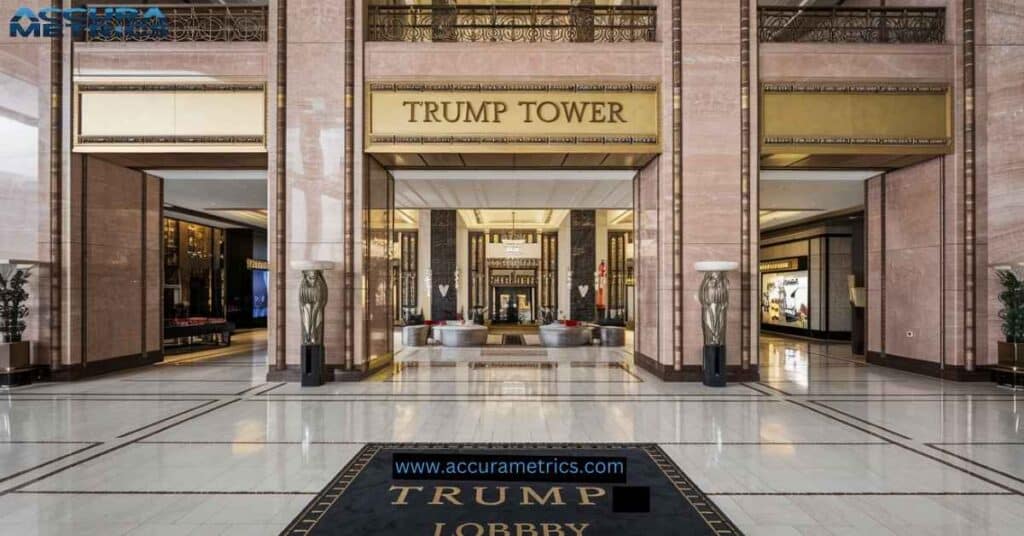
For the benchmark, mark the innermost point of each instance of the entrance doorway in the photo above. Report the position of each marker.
(514, 250)
(174, 260)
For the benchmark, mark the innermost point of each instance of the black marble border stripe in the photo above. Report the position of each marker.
(165, 419)
(979, 464)
(100, 399)
(112, 449)
(857, 493)
(261, 393)
(935, 398)
(672, 443)
(189, 381)
(911, 449)
(975, 443)
(46, 442)
(252, 388)
(516, 400)
(50, 461)
(776, 389)
(94, 394)
(157, 492)
(551, 381)
(858, 419)
(539, 395)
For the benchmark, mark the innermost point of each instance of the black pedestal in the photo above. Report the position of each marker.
(857, 331)
(312, 365)
(714, 365)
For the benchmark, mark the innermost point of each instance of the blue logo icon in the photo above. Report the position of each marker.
(106, 24)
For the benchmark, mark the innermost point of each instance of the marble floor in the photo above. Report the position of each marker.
(824, 444)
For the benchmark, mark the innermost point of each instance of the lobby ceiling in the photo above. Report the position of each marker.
(791, 196)
(840, 161)
(506, 161)
(513, 189)
(220, 197)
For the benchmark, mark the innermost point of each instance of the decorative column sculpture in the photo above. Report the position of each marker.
(312, 300)
(714, 301)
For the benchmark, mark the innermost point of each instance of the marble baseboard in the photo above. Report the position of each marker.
(693, 373)
(929, 368)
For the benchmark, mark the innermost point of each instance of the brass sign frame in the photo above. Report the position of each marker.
(645, 138)
(876, 133)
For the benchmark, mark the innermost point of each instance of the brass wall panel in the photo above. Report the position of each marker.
(137, 117)
(855, 119)
(471, 117)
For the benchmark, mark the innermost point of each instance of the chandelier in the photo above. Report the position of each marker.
(512, 244)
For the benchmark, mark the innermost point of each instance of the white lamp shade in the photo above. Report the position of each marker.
(715, 266)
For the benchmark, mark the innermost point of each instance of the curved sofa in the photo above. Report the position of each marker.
(560, 335)
(462, 335)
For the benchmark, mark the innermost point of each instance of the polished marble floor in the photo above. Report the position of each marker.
(824, 444)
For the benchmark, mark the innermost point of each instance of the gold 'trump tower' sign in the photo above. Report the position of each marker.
(512, 117)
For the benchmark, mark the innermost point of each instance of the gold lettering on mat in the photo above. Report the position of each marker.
(520, 117)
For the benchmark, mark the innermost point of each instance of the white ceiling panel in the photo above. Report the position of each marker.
(513, 194)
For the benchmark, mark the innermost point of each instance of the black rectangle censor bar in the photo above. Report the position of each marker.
(508, 467)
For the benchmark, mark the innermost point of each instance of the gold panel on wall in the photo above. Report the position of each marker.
(514, 117)
(133, 117)
(863, 118)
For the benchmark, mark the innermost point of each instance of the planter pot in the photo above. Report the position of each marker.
(1011, 354)
(14, 355)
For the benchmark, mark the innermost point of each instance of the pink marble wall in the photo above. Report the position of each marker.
(25, 168)
(873, 246)
(814, 61)
(710, 160)
(113, 260)
(1000, 155)
(314, 150)
(223, 61)
(380, 213)
(648, 282)
(154, 263)
(913, 282)
(513, 60)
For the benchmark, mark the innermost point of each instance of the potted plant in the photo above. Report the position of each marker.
(1011, 351)
(14, 352)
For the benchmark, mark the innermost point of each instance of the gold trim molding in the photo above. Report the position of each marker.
(521, 140)
(515, 86)
(90, 86)
(171, 139)
(876, 88)
(853, 141)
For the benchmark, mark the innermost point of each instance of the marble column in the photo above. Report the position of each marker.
(315, 166)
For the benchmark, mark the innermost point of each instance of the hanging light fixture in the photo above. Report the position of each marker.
(511, 242)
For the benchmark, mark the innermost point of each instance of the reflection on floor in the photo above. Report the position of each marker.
(824, 444)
